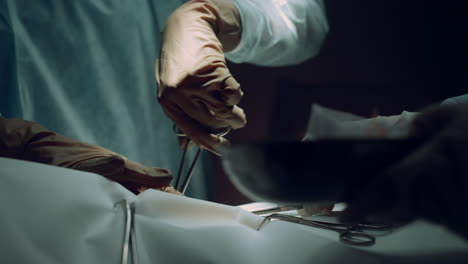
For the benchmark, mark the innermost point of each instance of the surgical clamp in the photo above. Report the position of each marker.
(352, 234)
(221, 132)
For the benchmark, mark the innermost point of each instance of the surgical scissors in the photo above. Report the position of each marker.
(219, 132)
(352, 234)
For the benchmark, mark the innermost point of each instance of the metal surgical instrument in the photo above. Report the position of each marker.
(181, 188)
(352, 234)
(276, 209)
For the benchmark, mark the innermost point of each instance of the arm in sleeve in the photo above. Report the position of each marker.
(462, 99)
(279, 32)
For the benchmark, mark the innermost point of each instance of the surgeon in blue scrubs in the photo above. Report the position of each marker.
(86, 69)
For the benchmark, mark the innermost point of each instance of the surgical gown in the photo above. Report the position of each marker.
(85, 68)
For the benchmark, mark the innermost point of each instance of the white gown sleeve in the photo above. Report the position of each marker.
(279, 32)
(462, 99)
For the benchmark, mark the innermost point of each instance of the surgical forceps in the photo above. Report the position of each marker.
(181, 188)
(352, 234)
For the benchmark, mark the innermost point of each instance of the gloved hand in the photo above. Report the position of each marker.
(430, 183)
(26, 140)
(195, 88)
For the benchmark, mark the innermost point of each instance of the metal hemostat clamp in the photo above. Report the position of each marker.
(182, 188)
(352, 234)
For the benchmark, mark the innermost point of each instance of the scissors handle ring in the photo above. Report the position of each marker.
(357, 238)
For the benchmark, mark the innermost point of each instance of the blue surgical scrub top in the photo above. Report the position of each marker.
(85, 69)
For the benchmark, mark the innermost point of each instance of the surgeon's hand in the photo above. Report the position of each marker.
(430, 183)
(195, 88)
(26, 140)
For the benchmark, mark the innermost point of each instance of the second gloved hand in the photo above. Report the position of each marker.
(20, 139)
(195, 88)
(430, 183)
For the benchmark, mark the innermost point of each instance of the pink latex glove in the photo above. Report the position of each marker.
(195, 88)
(20, 139)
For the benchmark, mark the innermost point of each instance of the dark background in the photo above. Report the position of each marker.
(380, 57)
